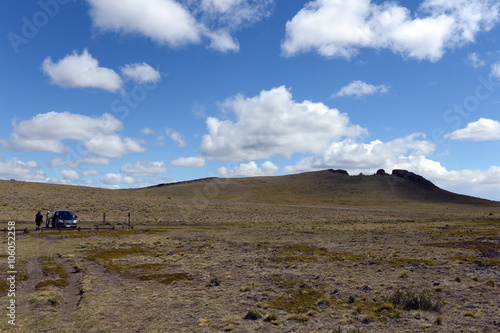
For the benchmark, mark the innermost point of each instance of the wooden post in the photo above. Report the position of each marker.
(104, 218)
(129, 219)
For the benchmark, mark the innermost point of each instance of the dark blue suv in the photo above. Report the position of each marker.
(64, 218)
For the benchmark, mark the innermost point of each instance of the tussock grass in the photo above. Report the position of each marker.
(59, 283)
(298, 301)
(417, 299)
(51, 267)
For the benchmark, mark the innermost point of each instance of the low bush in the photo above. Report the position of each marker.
(417, 299)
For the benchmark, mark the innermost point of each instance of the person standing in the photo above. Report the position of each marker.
(47, 219)
(38, 220)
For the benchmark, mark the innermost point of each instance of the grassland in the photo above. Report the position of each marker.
(209, 263)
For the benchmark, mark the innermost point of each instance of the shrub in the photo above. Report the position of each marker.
(411, 299)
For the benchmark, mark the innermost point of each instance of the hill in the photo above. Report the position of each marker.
(326, 187)
(166, 202)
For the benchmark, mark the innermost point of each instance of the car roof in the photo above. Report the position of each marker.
(63, 210)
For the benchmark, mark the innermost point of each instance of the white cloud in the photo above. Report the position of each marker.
(164, 21)
(116, 178)
(81, 71)
(176, 24)
(19, 170)
(340, 28)
(272, 123)
(77, 162)
(495, 70)
(220, 6)
(46, 131)
(475, 60)
(409, 153)
(359, 88)
(69, 174)
(481, 183)
(193, 162)
(147, 131)
(91, 172)
(112, 145)
(144, 168)
(222, 41)
(367, 157)
(235, 13)
(176, 137)
(250, 169)
(481, 130)
(141, 73)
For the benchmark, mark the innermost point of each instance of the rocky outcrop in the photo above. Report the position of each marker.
(412, 177)
(381, 172)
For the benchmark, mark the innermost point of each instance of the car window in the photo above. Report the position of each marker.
(66, 216)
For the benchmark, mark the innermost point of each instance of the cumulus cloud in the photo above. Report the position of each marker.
(222, 41)
(410, 153)
(366, 157)
(250, 169)
(164, 21)
(144, 168)
(176, 24)
(112, 146)
(340, 28)
(482, 183)
(69, 174)
(193, 162)
(235, 13)
(46, 132)
(81, 71)
(19, 170)
(272, 123)
(141, 73)
(91, 172)
(116, 179)
(176, 137)
(475, 60)
(481, 130)
(359, 88)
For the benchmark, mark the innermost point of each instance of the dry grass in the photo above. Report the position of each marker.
(237, 267)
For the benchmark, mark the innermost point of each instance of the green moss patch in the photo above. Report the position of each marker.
(375, 311)
(59, 283)
(120, 260)
(298, 296)
(50, 267)
(307, 253)
(298, 301)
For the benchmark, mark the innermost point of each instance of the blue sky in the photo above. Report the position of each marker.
(128, 93)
